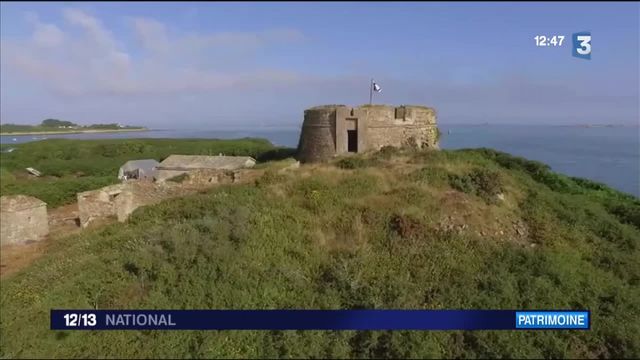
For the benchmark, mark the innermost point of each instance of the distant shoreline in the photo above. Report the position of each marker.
(57, 132)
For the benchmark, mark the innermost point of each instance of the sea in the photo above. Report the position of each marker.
(610, 155)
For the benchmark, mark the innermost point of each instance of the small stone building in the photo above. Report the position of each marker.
(144, 169)
(22, 218)
(331, 130)
(176, 165)
(119, 201)
(98, 204)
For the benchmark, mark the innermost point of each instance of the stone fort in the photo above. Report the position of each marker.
(331, 130)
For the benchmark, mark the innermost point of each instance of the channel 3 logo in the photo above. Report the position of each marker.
(582, 45)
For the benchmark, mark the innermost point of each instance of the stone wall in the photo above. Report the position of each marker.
(210, 177)
(24, 224)
(98, 204)
(163, 175)
(121, 200)
(142, 194)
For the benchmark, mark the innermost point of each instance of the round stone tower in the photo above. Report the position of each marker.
(317, 138)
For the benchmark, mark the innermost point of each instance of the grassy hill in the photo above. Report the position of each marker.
(406, 230)
(71, 166)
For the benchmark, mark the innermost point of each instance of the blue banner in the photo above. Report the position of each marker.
(552, 320)
(317, 320)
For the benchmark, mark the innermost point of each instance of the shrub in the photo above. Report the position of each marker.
(276, 154)
(628, 213)
(430, 175)
(269, 177)
(488, 183)
(512, 162)
(588, 184)
(406, 226)
(387, 151)
(462, 183)
(482, 182)
(355, 162)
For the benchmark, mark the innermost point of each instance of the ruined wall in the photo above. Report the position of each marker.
(23, 225)
(318, 135)
(210, 177)
(200, 176)
(119, 201)
(140, 194)
(403, 126)
(163, 175)
(98, 204)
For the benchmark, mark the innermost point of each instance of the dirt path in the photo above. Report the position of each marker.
(16, 257)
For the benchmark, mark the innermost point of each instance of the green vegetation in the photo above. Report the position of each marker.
(57, 123)
(61, 126)
(356, 162)
(72, 166)
(397, 235)
(481, 182)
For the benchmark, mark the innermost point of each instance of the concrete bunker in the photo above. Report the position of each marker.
(22, 219)
(98, 204)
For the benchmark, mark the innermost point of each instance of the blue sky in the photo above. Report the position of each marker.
(210, 65)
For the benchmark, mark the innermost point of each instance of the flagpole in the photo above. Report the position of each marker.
(370, 91)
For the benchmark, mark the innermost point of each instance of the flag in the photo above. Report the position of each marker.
(376, 87)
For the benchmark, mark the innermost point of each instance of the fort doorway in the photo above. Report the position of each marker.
(352, 141)
(352, 135)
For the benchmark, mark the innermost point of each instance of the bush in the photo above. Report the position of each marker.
(355, 162)
(276, 154)
(488, 183)
(512, 162)
(406, 226)
(270, 176)
(430, 175)
(387, 151)
(628, 213)
(462, 183)
(484, 183)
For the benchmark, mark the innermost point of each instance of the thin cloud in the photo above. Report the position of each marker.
(89, 60)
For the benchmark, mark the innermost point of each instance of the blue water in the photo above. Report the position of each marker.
(607, 155)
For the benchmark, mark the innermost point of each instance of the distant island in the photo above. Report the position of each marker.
(600, 125)
(55, 126)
